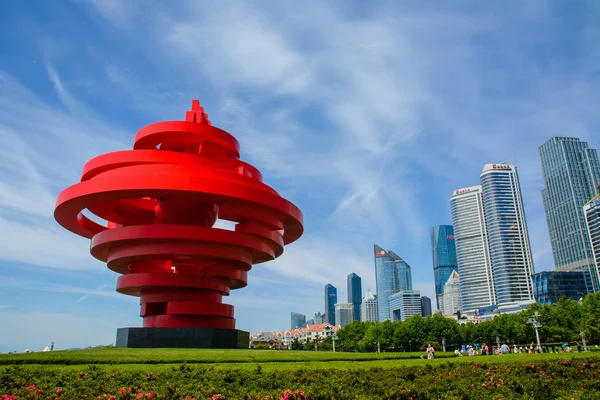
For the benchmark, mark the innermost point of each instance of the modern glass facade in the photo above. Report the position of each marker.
(392, 274)
(472, 251)
(330, 301)
(550, 286)
(425, 306)
(508, 238)
(443, 252)
(592, 220)
(571, 173)
(298, 321)
(404, 304)
(355, 293)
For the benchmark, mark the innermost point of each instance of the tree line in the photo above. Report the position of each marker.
(561, 323)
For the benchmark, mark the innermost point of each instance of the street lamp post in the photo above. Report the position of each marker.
(444, 344)
(536, 324)
(333, 339)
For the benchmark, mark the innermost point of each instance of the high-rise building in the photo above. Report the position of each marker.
(592, 222)
(550, 286)
(330, 301)
(392, 274)
(298, 321)
(444, 257)
(508, 237)
(425, 306)
(571, 172)
(404, 304)
(355, 293)
(472, 250)
(368, 308)
(344, 314)
(452, 295)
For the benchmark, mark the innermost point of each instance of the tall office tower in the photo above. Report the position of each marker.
(355, 293)
(425, 306)
(571, 172)
(405, 304)
(472, 251)
(452, 295)
(508, 238)
(392, 274)
(330, 301)
(592, 221)
(444, 257)
(368, 308)
(344, 314)
(298, 321)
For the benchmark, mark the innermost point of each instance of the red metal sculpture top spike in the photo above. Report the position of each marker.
(160, 202)
(197, 114)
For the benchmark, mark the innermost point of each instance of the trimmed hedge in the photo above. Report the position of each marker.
(485, 378)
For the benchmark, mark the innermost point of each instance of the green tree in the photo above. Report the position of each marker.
(590, 316)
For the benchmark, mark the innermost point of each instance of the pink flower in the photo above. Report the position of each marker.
(59, 390)
(149, 395)
(31, 388)
(189, 398)
(111, 397)
(139, 395)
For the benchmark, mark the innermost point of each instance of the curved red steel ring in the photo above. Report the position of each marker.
(160, 202)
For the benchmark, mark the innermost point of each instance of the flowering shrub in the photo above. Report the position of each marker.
(484, 378)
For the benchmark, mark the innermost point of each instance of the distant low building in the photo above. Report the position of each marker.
(405, 304)
(550, 286)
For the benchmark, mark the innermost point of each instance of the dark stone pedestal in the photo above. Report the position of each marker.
(208, 338)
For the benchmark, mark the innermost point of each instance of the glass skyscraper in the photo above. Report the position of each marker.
(298, 321)
(392, 274)
(330, 301)
(592, 219)
(355, 294)
(571, 173)
(472, 251)
(444, 257)
(508, 238)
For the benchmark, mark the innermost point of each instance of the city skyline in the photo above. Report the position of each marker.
(368, 132)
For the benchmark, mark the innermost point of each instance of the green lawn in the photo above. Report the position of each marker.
(268, 359)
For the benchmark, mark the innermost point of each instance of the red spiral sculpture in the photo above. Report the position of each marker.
(160, 201)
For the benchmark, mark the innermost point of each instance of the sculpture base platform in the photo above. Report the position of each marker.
(205, 338)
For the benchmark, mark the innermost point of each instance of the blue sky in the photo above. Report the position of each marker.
(366, 115)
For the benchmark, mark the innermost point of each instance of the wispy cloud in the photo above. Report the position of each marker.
(366, 120)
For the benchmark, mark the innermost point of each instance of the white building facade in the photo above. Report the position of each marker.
(368, 307)
(472, 251)
(452, 296)
(508, 237)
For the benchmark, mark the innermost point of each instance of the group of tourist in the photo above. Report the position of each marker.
(485, 350)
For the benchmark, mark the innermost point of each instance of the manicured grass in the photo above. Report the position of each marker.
(113, 355)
